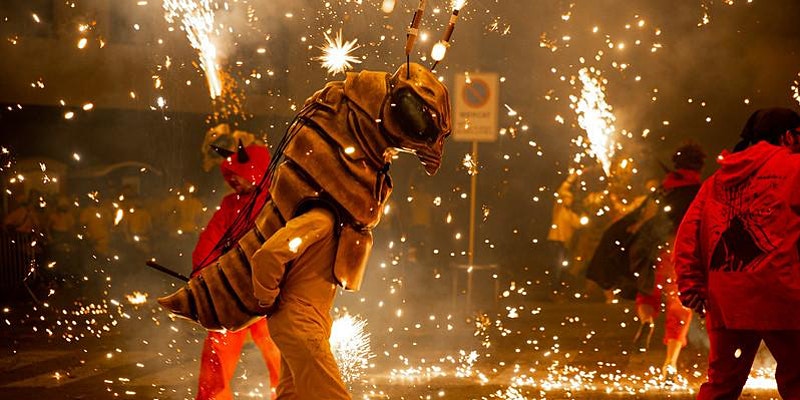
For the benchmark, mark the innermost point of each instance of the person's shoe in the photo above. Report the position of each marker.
(641, 341)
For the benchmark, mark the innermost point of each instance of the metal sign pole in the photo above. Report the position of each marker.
(472, 204)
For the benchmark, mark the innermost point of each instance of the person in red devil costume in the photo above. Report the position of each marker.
(736, 256)
(242, 170)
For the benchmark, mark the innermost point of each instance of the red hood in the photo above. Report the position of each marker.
(253, 170)
(735, 167)
(681, 177)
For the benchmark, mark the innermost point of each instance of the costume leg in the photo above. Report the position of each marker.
(302, 332)
(729, 361)
(218, 364)
(269, 351)
(647, 308)
(285, 389)
(678, 316)
(785, 346)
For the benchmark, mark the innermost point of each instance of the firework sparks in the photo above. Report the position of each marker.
(595, 116)
(796, 89)
(336, 55)
(350, 344)
(197, 20)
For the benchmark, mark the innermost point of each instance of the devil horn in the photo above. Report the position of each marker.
(225, 153)
(241, 154)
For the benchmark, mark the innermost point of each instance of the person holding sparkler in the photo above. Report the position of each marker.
(736, 256)
(242, 170)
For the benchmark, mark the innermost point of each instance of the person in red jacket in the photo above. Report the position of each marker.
(736, 256)
(243, 171)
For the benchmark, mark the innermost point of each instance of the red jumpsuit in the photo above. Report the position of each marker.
(678, 317)
(221, 350)
(737, 248)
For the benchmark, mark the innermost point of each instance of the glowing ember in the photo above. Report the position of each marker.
(350, 345)
(336, 54)
(118, 216)
(470, 164)
(197, 20)
(595, 116)
(136, 297)
(387, 6)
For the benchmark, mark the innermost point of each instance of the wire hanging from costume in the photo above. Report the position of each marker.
(245, 220)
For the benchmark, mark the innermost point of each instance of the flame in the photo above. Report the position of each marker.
(350, 345)
(336, 54)
(439, 50)
(595, 116)
(197, 20)
(458, 4)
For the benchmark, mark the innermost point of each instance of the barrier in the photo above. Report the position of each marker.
(17, 259)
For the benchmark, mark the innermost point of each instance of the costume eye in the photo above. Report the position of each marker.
(415, 117)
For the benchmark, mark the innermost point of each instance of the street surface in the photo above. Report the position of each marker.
(531, 350)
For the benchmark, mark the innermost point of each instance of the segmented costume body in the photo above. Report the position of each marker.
(334, 158)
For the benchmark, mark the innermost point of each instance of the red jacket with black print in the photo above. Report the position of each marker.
(738, 244)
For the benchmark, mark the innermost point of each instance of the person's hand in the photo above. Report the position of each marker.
(695, 302)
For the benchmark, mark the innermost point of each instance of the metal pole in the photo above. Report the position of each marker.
(471, 251)
(159, 267)
(472, 190)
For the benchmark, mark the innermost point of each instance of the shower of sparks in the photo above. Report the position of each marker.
(762, 378)
(336, 56)
(513, 349)
(595, 116)
(350, 344)
(197, 20)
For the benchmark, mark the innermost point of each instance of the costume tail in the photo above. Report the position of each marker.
(220, 296)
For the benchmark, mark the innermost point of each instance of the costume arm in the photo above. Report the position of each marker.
(689, 264)
(284, 246)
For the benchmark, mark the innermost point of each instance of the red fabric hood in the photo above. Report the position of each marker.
(735, 167)
(253, 170)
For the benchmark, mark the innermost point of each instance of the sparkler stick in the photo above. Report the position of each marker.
(159, 267)
(440, 48)
(412, 32)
